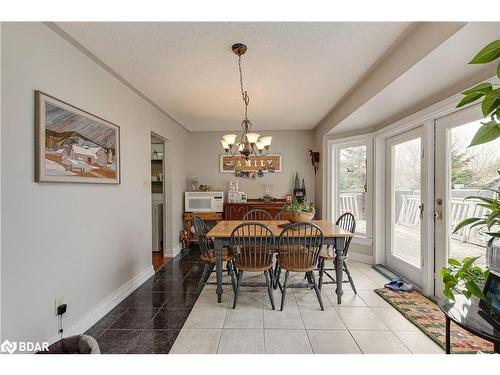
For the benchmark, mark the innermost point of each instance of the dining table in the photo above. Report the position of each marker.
(333, 235)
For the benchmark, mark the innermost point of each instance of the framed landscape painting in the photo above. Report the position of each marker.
(73, 145)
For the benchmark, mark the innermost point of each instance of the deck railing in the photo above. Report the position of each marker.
(408, 214)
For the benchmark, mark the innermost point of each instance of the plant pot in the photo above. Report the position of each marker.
(493, 256)
(299, 217)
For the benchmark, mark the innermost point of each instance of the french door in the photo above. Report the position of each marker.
(461, 171)
(405, 174)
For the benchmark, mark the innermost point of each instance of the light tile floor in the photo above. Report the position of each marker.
(364, 323)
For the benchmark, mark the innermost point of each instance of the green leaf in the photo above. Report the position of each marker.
(485, 87)
(493, 234)
(498, 70)
(447, 293)
(486, 133)
(465, 222)
(469, 98)
(469, 260)
(491, 102)
(472, 287)
(442, 271)
(481, 222)
(490, 201)
(454, 262)
(487, 54)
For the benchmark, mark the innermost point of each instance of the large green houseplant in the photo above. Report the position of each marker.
(489, 95)
(464, 276)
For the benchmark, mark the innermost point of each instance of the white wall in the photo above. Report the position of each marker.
(205, 148)
(78, 241)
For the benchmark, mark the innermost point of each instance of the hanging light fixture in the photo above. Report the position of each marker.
(249, 143)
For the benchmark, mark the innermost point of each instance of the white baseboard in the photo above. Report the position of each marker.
(363, 258)
(106, 305)
(173, 252)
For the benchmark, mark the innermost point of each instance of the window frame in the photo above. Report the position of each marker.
(333, 189)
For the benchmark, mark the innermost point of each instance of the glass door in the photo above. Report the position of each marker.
(461, 171)
(404, 171)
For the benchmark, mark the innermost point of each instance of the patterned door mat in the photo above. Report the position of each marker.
(427, 316)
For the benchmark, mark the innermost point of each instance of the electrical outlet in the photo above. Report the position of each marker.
(58, 302)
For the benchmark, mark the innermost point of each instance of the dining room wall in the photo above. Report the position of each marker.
(87, 243)
(205, 150)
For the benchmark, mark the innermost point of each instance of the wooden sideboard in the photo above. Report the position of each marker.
(236, 211)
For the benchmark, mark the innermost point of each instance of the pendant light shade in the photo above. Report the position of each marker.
(230, 139)
(252, 137)
(266, 141)
(224, 144)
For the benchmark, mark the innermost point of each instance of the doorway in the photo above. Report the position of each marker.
(157, 201)
(461, 171)
(404, 199)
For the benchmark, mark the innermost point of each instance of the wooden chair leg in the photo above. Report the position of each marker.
(277, 274)
(283, 291)
(349, 277)
(269, 287)
(321, 272)
(308, 277)
(206, 273)
(227, 267)
(318, 292)
(231, 273)
(238, 282)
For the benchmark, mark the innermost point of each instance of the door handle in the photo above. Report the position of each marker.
(421, 208)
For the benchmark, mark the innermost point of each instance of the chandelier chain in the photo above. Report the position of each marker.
(244, 95)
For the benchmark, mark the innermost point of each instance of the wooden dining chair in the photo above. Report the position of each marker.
(347, 222)
(208, 255)
(253, 247)
(257, 214)
(299, 246)
(279, 216)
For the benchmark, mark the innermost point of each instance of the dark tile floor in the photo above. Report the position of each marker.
(149, 320)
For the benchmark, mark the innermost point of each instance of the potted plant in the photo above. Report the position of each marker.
(464, 277)
(298, 212)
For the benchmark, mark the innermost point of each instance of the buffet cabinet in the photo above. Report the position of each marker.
(236, 211)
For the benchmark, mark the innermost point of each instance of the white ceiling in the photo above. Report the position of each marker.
(294, 72)
(442, 69)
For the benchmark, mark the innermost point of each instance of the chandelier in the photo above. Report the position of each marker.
(249, 143)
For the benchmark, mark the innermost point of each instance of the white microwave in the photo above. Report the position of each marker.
(204, 201)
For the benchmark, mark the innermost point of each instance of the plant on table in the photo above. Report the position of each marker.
(296, 206)
(464, 277)
(298, 211)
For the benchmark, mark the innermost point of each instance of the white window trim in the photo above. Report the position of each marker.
(332, 178)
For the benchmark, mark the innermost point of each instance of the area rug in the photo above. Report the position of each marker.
(427, 316)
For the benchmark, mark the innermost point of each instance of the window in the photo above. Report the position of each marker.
(349, 182)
